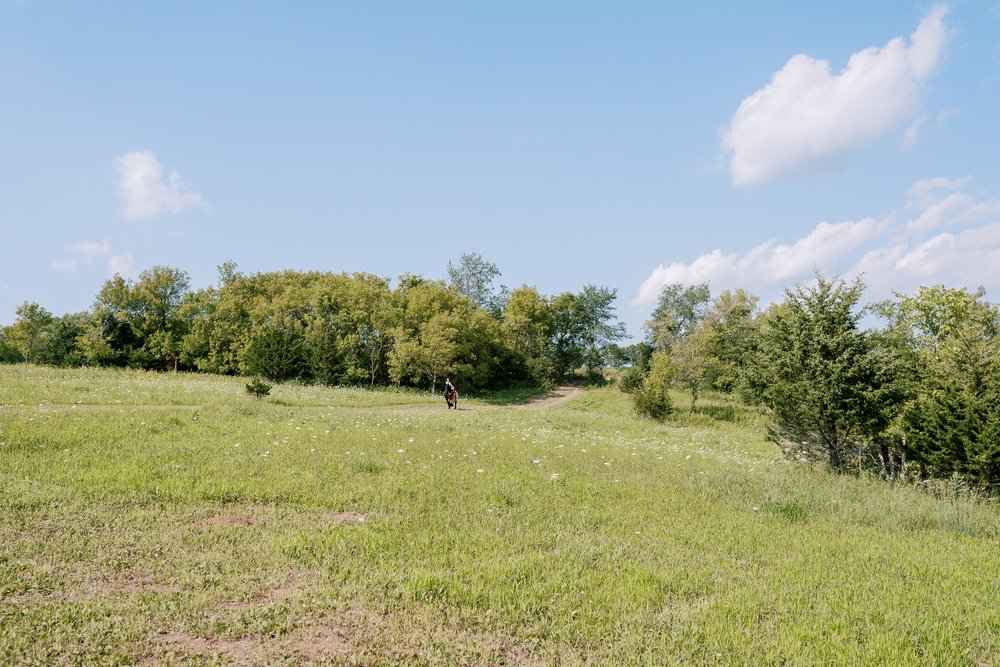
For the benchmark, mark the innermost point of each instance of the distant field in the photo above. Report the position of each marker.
(173, 519)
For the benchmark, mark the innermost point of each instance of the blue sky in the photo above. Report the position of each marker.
(621, 144)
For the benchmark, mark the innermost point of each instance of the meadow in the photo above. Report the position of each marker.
(153, 518)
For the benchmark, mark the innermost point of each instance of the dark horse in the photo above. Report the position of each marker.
(451, 395)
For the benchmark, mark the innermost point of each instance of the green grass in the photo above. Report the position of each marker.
(173, 519)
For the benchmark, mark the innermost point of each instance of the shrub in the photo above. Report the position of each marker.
(630, 379)
(652, 398)
(258, 388)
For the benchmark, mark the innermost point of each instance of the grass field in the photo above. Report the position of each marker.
(173, 519)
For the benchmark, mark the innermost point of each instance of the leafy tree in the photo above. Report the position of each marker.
(473, 278)
(678, 311)
(635, 355)
(567, 334)
(526, 330)
(430, 355)
(140, 323)
(8, 355)
(61, 347)
(734, 342)
(951, 424)
(598, 324)
(692, 360)
(29, 329)
(276, 350)
(832, 388)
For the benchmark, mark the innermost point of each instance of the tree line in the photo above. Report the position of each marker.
(331, 328)
(917, 395)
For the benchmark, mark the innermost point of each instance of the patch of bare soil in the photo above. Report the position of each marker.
(293, 583)
(143, 585)
(230, 520)
(349, 517)
(354, 634)
(554, 397)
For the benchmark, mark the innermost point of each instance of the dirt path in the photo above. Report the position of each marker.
(554, 397)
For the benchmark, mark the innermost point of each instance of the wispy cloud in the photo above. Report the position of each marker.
(144, 192)
(941, 234)
(63, 265)
(122, 265)
(808, 119)
(89, 251)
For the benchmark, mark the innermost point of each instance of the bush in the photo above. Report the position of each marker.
(630, 379)
(258, 388)
(652, 398)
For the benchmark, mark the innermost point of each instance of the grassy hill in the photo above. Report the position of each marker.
(173, 519)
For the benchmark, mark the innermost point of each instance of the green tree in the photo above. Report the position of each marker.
(276, 350)
(567, 334)
(526, 331)
(678, 311)
(29, 329)
(430, 355)
(8, 355)
(951, 424)
(598, 325)
(731, 319)
(692, 360)
(61, 346)
(473, 278)
(833, 390)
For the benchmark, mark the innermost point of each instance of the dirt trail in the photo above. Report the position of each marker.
(554, 397)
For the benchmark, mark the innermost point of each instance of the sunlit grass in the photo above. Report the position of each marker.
(174, 518)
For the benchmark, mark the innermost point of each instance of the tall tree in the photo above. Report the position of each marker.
(678, 311)
(527, 328)
(29, 329)
(598, 324)
(832, 388)
(951, 339)
(473, 278)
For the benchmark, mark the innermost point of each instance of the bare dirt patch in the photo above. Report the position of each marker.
(296, 581)
(364, 637)
(554, 397)
(349, 517)
(230, 520)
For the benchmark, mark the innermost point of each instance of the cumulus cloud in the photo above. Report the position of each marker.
(941, 234)
(144, 192)
(808, 119)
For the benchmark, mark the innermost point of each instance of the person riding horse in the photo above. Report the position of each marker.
(450, 394)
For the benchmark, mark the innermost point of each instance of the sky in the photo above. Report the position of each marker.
(627, 144)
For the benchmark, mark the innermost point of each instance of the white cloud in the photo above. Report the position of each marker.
(767, 264)
(122, 265)
(143, 191)
(808, 119)
(941, 234)
(91, 250)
